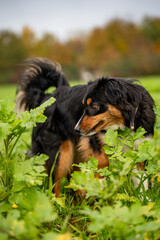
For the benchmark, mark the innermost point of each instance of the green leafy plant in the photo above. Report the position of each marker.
(11, 129)
(118, 177)
(24, 205)
(122, 222)
(123, 210)
(113, 208)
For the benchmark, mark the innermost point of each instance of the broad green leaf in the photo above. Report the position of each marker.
(7, 113)
(40, 159)
(23, 168)
(52, 236)
(92, 164)
(12, 226)
(132, 155)
(35, 115)
(124, 133)
(5, 207)
(18, 185)
(110, 137)
(139, 134)
(146, 151)
(127, 166)
(108, 150)
(5, 130)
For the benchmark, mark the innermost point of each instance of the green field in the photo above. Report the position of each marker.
(151, 83)
(112, 209)
(8, 91)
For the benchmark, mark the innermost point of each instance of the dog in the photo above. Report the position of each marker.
(78, 119)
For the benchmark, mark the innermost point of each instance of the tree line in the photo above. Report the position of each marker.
(119, 48)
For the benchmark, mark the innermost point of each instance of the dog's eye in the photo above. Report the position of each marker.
(94, 108)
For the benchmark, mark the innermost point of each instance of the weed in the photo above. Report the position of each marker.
(111, 209)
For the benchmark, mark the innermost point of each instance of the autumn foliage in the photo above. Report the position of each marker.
(119, 48)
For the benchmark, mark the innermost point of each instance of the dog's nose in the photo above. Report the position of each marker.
(77, 128)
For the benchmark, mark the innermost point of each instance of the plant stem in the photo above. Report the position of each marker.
(15, 143)
(50, 177)
(6, 162)
(129, 183)
(1, 156)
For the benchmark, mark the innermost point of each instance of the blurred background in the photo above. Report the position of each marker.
(88, 38)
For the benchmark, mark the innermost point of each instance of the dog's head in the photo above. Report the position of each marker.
(113, 103)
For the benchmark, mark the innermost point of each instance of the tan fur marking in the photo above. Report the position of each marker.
(86, 152)
(111, 117)
(83, 101)
(64, 164)
(89, 100)
(141, 165)
(105, 91)
(19, 98)
(57, 188)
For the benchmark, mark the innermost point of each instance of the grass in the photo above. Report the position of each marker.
(151, 83)
(8, 91)
(79, 218)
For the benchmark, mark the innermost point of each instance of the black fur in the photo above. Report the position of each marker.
(133, 101)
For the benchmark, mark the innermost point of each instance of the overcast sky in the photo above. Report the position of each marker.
(63, 18)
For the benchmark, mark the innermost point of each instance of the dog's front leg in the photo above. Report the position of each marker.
(64, 164)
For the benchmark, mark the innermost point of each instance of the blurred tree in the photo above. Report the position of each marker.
(64, 55)
(12, 52)
(94, 47)
(120, 48)
(76, 48)
(151, 30)
(44, 46)
(126, 38)
(28, 37)
(29, 41)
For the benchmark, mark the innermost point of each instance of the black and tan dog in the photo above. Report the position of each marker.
(77, 120)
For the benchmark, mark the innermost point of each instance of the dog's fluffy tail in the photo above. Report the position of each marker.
(38, 74)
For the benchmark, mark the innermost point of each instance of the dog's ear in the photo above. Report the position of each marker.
(134, 101)
(92, 87)
(123, 94)
(115, 92)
